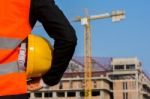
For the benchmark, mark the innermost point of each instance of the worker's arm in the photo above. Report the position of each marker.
(57, 27)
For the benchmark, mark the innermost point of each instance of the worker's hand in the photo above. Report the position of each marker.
(34, 84)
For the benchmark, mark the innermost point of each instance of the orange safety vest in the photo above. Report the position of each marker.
(14, 28)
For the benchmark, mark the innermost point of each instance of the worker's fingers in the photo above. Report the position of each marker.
(34, 87)
(34, 84)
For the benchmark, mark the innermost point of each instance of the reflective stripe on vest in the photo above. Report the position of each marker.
(9, 68)
(9, 43)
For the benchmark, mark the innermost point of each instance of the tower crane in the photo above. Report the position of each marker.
(85, 21)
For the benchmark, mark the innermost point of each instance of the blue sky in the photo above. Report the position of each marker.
(127, 38)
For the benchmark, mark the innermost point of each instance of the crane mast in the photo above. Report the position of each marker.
(87, 61)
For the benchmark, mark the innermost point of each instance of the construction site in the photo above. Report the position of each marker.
(112, 78)
(99, 77)
(46, 53)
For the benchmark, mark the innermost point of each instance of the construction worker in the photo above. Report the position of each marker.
(17, 18)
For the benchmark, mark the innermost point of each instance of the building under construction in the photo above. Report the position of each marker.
(112, 78)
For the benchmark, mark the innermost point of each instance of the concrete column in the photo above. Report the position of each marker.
(102, 95)
(137, 86)
(65, 94)
(102, 83)
(54, 95)
(102, 92)
(43, 95)
(78, 95)
(31, 95)
(125, 67)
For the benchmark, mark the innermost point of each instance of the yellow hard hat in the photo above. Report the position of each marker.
(39, 56)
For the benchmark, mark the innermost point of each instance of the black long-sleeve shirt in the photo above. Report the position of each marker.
(58, 27)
